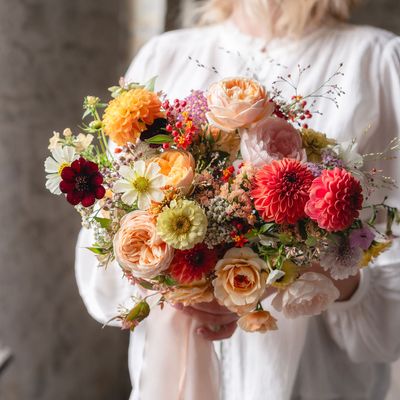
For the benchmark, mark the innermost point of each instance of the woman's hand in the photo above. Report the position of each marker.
(216, 322)
(347, 287)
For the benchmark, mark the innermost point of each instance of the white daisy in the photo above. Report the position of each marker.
(61, 157)
(141, 184)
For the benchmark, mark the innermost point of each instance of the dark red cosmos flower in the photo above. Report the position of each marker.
(192, 265)
(82, 183)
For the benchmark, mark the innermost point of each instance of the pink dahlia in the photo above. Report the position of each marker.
(281, 191)
(335, 200)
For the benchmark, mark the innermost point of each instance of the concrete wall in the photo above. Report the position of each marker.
(52, 53)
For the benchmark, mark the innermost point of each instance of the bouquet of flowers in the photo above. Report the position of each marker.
(220, 196)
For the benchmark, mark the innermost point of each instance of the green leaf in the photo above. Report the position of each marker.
(98, 250)
(311, 241)
(86, 113)
(374, 216)
(151, 84)
(105, 223)
(169, 281)
(146, 285)
(267, 227)
(160, 139)
(285, 238)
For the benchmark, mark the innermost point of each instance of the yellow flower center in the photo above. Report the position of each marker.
(62, 166)
(141, 184)
(182, 225)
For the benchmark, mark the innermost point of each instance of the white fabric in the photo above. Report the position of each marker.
(345, 352)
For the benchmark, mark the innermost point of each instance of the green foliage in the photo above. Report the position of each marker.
(105, 223)
(160, 139)
(100, 251)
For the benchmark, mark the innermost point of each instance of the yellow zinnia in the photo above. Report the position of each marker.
(314, 142)
(182, 225)
(127, 116)
(374, 251)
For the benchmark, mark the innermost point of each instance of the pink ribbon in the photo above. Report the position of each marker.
(178, 363)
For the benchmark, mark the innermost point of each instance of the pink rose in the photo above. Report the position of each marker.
(237, 103)
(138, 249)
(311, 294)
(271, 139)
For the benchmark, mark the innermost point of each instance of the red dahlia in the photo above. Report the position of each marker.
(335, 200)
(192, 265)
(281, 191)
(82, 183)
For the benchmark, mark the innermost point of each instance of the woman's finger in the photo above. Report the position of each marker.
(206, 318)
(212, 308)
(225, 332)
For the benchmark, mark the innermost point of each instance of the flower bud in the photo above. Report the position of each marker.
(96, 124)
(140, 312)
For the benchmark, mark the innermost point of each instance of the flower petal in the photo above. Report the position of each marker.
(122, 186)
(130, 197)
(144, 202)
(127, 172)
(140, 168)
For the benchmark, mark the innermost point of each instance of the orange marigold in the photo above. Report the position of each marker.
(127, 116)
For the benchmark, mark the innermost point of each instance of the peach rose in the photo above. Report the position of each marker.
(178, 167)
(258, 321)
(138, 248)
(240, 280)
(310, 295)
(197, 292)
(271, 139)
(227, 142)
(237, 103)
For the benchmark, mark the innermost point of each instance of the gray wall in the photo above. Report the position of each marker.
(382, 13)
(53, 52)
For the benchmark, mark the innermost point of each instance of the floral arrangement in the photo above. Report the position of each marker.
(220, 196)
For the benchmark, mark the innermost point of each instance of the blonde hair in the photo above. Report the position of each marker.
(280, 17)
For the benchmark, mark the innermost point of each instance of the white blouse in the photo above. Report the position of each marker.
(344, 353)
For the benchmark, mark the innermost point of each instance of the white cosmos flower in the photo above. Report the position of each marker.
(348, 152)
(141, 184)
(61, 157)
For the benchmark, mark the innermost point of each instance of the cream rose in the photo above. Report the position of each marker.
(240, 280)
(258, 321)
(197, 292)
(138, 248)
(178, 167)
(237, 103)
(271, 139)
(310, 295)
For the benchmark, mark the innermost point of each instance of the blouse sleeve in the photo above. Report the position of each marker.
(104, 290)
(367, 326)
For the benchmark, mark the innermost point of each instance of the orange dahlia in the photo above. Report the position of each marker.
(335, 200)
(127, 116)
(281, 191)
